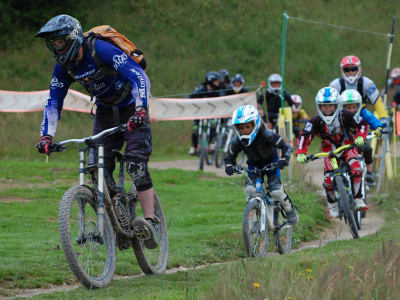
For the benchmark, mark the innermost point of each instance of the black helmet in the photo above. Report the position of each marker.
(237, 78)
(224, 75)
(67, 31)
(211, 76)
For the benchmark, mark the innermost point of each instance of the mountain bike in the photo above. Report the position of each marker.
(92, 222)
(207, 140)
(225, 134)
(342, 185)
(263, 216)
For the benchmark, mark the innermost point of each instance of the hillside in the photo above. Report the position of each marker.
(183, 40)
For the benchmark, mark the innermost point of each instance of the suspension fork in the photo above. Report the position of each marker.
(100, 196)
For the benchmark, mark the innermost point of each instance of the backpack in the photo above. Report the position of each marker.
(359, 87)
(110, 35)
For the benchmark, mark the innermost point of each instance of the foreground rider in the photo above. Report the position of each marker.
(209, 88)
(260, 146)
(272, 97)
(352, 79)
(335, 128)
(352, 101)
(121, 95)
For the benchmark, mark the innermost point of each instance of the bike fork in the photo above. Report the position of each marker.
(100, 200)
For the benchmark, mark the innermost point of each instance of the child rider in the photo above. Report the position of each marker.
(260, 146)
(335, 128)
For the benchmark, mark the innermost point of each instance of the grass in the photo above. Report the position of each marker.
(205, 223)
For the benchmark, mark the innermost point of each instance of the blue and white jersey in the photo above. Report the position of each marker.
(369, 89)
(101, 88)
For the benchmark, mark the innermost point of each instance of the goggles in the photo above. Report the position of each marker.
(350, 69)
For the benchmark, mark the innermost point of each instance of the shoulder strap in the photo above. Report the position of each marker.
(360, 85)
(342, 85)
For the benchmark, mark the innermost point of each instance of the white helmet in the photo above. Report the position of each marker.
(352, 97)
(296, 103)
(325, 96)
(350, 63)
(275, 78)
(246, 114)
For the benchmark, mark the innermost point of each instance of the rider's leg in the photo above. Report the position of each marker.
(369, 163)
(328, 185)
(351, 157)
(278, 193)
(138, 149)
(195, 137)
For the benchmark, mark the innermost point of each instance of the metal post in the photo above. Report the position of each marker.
(284, 31)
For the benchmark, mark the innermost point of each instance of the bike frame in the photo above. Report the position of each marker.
(267, 206)
(103, 199)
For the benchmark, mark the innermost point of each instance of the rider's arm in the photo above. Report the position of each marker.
(372, 93)
(234, 149)
(128, 69)
(59, 85)
(288, 98)
(307, 134)
(370, 118)
(354, 122)
(287, 150)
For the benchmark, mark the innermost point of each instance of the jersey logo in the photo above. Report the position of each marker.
(371, 88)
(308, 127)
(119, 60)
(357, 118)
(56, 83)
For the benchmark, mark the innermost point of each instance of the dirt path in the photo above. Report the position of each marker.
(314, 175)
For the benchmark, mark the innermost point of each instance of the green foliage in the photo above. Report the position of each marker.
(17, 16)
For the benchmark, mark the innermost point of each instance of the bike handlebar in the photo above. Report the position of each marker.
(330, 153)
(270, 167)
(59, 146)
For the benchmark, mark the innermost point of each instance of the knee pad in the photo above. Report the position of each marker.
(140, 175)
(277, 192)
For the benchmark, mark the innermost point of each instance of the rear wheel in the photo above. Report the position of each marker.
(348, 213)
(256, 242)
(283, 234)
(154, 261)
(91, 259)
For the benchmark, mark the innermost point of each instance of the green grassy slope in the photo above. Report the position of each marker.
(182, 40)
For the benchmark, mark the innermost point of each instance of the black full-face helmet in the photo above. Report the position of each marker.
(64, 37)
(211, 77)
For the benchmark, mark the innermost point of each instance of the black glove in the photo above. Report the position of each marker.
(44, 143)
(229, 169)
(282, 163)
(137, 120)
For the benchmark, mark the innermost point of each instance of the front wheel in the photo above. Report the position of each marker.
(91, 259)
(283, 233)
(256, 242)
(154, 261)
(348, 213)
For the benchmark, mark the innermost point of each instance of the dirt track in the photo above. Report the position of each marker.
(339, 231)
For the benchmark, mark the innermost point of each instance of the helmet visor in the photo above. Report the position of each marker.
(57, 45)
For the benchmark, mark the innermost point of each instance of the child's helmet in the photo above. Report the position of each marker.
(224, 75)
(296, 103)
(68, 31)
(328, 95)
(348, 63)
(352, 97)
(237, 78)
(275, 78)
(211, 77)
(395, 76)
(246, 114)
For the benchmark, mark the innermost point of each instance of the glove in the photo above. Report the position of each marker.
(229, 170)
(384, 122)
(137, 120)
(359, 141)
(282, 163)
(44, 143)
(301, 158)
(378, 132)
